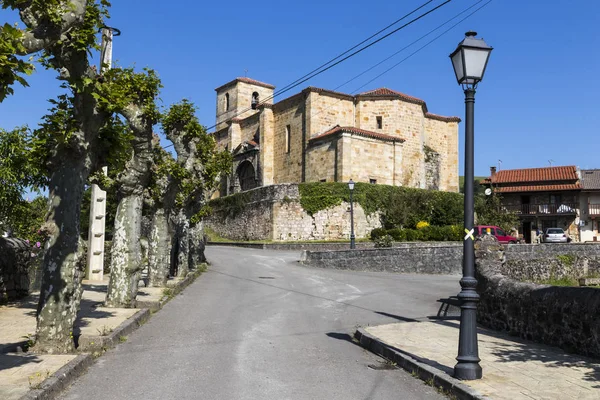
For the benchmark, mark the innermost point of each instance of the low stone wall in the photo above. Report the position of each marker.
(275, 213)
(14, 263)
(542, 262)
(425, 258)
(294, 246)
(566, 317)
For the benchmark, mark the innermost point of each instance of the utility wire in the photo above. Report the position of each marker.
(427, 44)
(361, 43)
(412, 43)
(299, 82)
(409, 56)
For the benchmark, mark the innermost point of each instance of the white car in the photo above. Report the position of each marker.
(555, 235)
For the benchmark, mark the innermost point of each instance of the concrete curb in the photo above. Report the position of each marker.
(66, 375)
(425, 372)
(98, 343)
(177, 288)
(61, 379)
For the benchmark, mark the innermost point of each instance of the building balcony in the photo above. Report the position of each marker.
(544, 209)
(594, 209)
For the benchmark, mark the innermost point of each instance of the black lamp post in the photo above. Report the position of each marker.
(352, 237)
(469, 60)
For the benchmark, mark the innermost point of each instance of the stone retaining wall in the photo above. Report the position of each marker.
(425, 258)
(542, 262)
(275, 213)
(566, 317)
(14, 263)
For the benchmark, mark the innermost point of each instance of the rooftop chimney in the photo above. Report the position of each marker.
(493, 170)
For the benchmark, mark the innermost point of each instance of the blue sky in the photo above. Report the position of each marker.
(539, 100)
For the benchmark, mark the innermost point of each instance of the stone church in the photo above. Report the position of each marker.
(380, 137)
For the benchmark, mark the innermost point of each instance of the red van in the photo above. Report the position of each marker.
(502, 236)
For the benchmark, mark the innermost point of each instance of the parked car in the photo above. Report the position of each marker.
(555, 235)
(502, 236)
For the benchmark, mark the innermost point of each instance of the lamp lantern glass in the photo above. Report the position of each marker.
(470, 59)
(351, 184)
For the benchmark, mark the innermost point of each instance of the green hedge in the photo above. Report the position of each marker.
(400, 206)
(450, 233)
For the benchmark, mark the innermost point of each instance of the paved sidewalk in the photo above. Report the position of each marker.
(513, 369)
(20, 372)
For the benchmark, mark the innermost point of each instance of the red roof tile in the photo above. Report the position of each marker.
(548, 174)
(441, 117)
(361, 132)
(385, 92)
(537, 188)
(389, 92)
(247, 80)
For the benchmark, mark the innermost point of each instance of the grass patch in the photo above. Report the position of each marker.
(566, 281)
(214, 236)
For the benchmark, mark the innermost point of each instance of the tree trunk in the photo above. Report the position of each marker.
(126, 262)
(183, 239)
(126, 259)
(159, 244)
(64, 261)
(197, 245)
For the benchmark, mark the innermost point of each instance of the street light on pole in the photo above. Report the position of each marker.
(469, 61)
(352, 237)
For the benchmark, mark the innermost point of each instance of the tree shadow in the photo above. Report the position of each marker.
(8, 361)
(551, 357)
(95, 288)
(88, 309)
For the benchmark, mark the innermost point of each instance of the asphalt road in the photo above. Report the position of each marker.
(258, 325)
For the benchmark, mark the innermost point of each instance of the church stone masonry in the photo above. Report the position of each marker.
(380, 136)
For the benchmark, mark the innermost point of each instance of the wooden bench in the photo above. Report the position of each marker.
(446, 303)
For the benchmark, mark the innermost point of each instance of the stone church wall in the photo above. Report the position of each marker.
(321, 162)
(442, 137)
(274, 213)
(288, 165)
(401, 119)
(328, 110)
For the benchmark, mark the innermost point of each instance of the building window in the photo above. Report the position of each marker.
(255, 100)
(288, 137)
(226, 101)
(373, 181)
(323, 180)
(379, 122)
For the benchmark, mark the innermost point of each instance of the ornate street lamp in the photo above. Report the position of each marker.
(469, 61)
(352, 237)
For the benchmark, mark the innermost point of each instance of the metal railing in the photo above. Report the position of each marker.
(594, 209)
(535, 209)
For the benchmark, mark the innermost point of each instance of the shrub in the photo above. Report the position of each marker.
(384, 241)
(397, 234)
(377, 233)
(422, 224)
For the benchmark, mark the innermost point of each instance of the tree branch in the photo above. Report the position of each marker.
(40, 35)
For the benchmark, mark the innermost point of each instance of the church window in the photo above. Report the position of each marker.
(323, 180)
(288, 137)
(226, 101)
(379, 122)
(255, 100)
(373, 181)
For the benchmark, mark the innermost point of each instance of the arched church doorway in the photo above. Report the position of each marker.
(247, 176)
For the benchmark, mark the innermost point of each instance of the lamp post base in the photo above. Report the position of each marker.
(468, 371)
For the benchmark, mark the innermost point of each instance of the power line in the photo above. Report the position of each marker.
(426, 44)
(409, 45)
(299, 82)
(410, 55)
(363, 42)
